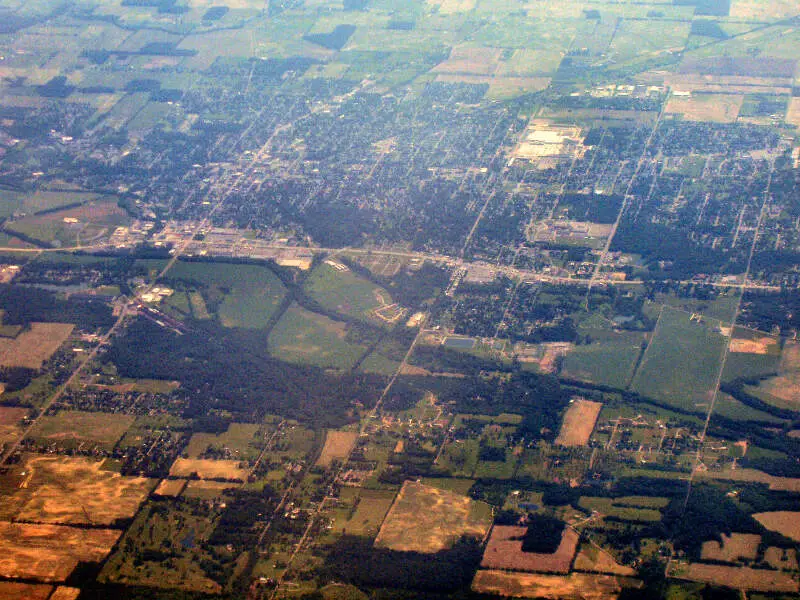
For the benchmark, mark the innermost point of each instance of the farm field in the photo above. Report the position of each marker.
(305, 337)
(575, 586)
(73, 428)
(75, 491)
(170, 487)
(578, 423)
(645, 510)
(79, 226)
(784, 522)
(50, 552)
(742, 578)
(603, 363)
(245, 295)
(11, 590)
(239, 440)
(337, 446)
(782, 390)
(10, 418)
(732, 547)
(595, 560)
(426, 519)
(717, 108)
(504, 551)
(31, 348)
(203, 468)
(339, 290)
(681, 363)
(370, 510)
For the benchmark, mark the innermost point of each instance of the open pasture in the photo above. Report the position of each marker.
(426, 519)
(228, 470)
(239, 441)
(79, 226)
(578, 423)
(681, 363)
(504, 551)
(31, 348)
(575, 586)
(626, 509)
(714, 108)
(250, 294)
(306, 337)
(50, 552)
(10, 419)
(786, 523)
(76, 428)
(366, 513)
(606, 363)
(338, 289)
(783, 390)
(741, 578)
(472, 61)
(732, 548)
(77, 491)
(12, 590)
(596, 560)
(337, 446)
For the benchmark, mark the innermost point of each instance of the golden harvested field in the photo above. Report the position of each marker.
(578, 423)
(596, 560)
(10, 417)
(760, 10)
(426, 519)
(229, 470)
(781, 558)
(575, 586)
(793, 112)
(783, 521)
(473, 61)
(65, 593)
(50, 552)
(68, 490)
(786, 386)
(786, 484)
(716, 108)
(337, 446)
(10, 590)
(32, 347)
(741, 578)
(71, 428)
(170, 487)
(207, 490)
(504, 551)
(733, 547)
(759, 345)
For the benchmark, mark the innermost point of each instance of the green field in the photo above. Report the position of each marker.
(245, 295)
(305, 337)
(631, 508)
(681, 364)
(346, 293)
(605, 363)
(240, 439)
(364, 511)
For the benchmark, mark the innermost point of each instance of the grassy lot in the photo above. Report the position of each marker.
(606, 363)
(71, 428)
(246, 295)
(364, 512)
(240, 439)
(85, 224)
(680, 365)
(627, 509)
(344, 292)
(305, 337)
